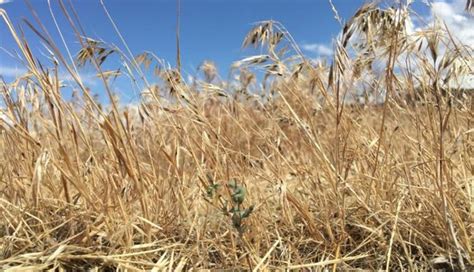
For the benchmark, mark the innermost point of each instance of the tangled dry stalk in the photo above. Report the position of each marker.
(320, 166)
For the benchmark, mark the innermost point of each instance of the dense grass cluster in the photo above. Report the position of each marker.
(362, 162)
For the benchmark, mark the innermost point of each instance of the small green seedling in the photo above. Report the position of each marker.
(236, 212)
(238, 197)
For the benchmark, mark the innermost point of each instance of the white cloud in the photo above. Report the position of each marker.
(318, 48)
(4, 1)
(459, 23)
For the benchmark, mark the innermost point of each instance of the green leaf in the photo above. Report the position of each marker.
(211, 189)
(239, 195)
(246, 213)
(236, 220)
(232, 184)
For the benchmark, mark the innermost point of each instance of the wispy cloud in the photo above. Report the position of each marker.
(15, 72)
(8, 71)
(88, 79)
(319, 49)
(4, 1)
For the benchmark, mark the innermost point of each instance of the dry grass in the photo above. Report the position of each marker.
(330, 183)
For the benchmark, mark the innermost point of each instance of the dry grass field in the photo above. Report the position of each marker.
(288, 164)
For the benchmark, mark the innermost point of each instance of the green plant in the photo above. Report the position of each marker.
(236, 211)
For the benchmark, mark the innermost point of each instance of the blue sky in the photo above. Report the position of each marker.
(210, 29)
